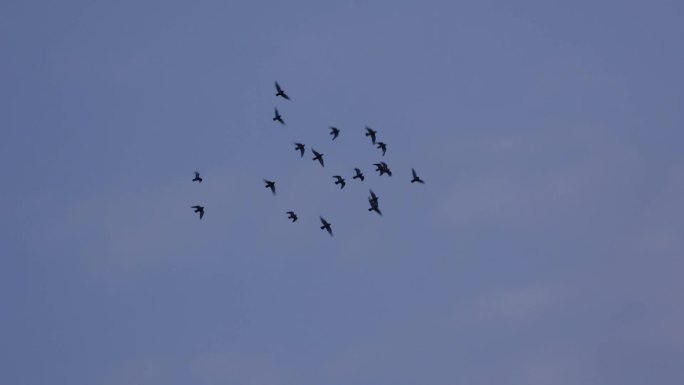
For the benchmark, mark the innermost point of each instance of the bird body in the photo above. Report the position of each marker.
(335, 132)
(318, 156)
(300, 147)
(340, 181)
(270, 184)
(383, 147)
(371, 132)
(200, 210)
(383, 168)
(358, 175)
(373, 201)
(416, 178)
(280, 92)
(326, 226)
(278, 117)
(197, 177)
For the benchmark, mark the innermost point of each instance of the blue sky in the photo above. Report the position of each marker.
(546, 246)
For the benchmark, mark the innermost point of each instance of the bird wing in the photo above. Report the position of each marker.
(278, 87)
(413, 171)
(201, 213)
(195, 207)
(196, 174)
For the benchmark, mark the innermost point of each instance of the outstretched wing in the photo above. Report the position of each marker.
(414, 173)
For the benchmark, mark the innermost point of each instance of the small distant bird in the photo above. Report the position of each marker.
(382, 168)
(197, 178)
(270, 184)
(278, 117)
(371, 132)
(373, 197)
(416, 178)
(318, 157)
(300, 147)
(383, 147)
(358, 175)
(373, 201)
(200, 210)
(292, 215)
(280, 91)
(374, 206)
(334, 131)
(326, 226)
(339, 181)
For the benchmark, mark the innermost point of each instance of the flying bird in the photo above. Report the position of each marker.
(326, 226)
(300, 147)
(292, 215)
(271, 185)
(334, 131)
(371, 132)
(280, 91)
(358, 175)
(339, 181)
(416, 178)
(373, 200)
(383, 147)
(197, 178)
(373, 197)
(374, 206)
(278, 117)
(200, 210)
(318, 156)
(382, 168)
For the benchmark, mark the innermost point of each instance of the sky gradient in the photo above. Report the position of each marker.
(546, 246)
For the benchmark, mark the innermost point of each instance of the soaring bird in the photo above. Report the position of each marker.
(374, 206)
(358, 175)
(373, 201)
(200, 210)
(373, 197)
(318, 156)
(382, 168)
(334, 131)
(383, 147)
(280, 91)
(371, 132)
(300, 147)
(292, 215)
(278, 117)
(326, 226)
(197, 178)
(270, 184)
(416, 178)
(339, 181)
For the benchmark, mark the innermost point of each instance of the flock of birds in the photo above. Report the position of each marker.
(381, 167)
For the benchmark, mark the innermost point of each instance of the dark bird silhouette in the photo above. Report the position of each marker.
(383, 147)
(197, 178)
(326, 226)
(358, 175)
(300, 147)
(373, 201)
(278, 117)
(339, 181)
(416, 178)
(200, 210)
(318, 156)
(374, 206)
(371, 132)
(292, 215)
(271, 185)
(334, 131)
(382, 168)
(280, 91)
(373, 197)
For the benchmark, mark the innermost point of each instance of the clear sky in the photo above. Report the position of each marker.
(545, 248)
